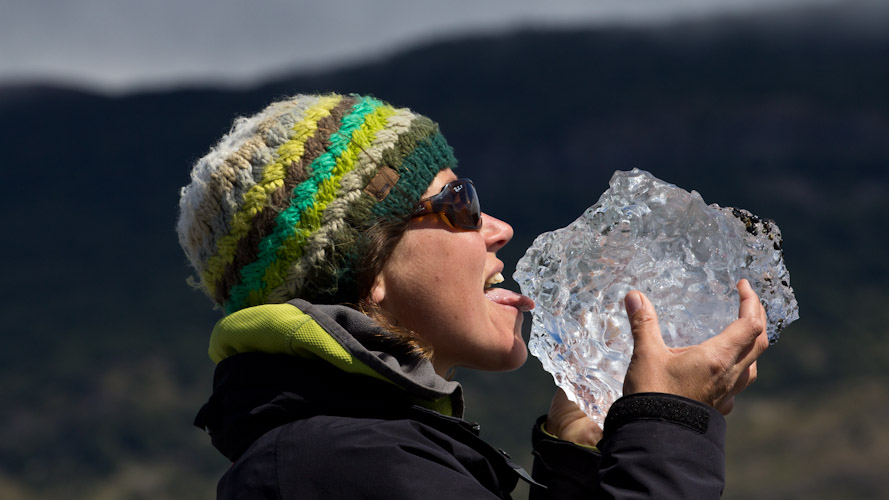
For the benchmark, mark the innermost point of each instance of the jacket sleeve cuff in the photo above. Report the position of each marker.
(569, 470)
(677, 410)
(681, 439)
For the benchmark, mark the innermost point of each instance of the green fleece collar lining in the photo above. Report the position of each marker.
(285, 329)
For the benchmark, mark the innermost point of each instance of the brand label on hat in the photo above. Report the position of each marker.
(382, 183)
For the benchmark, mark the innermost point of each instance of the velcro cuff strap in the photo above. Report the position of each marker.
(662, 407)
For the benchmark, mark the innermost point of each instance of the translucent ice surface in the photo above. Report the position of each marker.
(648, 235)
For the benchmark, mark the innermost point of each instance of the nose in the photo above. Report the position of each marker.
(496, 232)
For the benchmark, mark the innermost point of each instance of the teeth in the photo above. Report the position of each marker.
(493, 280)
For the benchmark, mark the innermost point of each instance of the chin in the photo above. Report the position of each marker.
(520, 360)
(501, 360)
(516, 357)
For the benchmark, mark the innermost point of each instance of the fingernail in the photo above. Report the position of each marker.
(633, 302)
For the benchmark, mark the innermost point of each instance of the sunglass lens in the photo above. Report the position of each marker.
(465, 211)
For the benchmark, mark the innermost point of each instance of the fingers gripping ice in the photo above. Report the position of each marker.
(648, 235)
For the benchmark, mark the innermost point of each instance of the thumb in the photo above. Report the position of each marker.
(643, 321)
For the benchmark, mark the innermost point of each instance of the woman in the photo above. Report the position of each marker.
(357, 272)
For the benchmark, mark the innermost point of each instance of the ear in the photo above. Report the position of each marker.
(378, 290)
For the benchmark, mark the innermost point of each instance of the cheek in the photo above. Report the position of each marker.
(438, 279)
(447, 281)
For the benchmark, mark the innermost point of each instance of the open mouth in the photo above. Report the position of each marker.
(494, 280)
(506, 297)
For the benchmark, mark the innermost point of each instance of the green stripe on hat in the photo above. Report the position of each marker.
(255, 276)
(276, 210)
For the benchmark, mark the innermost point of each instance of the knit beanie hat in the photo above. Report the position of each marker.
(278, 208)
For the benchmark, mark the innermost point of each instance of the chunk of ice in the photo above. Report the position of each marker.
(648, 235)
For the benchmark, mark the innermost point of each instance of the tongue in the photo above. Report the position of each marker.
(509, 298)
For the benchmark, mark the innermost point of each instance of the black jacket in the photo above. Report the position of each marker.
(357, 418)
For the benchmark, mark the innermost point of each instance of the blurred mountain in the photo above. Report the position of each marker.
(105, 363)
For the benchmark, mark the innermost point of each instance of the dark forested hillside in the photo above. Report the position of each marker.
(104, 361)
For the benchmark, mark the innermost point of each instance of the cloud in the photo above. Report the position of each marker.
(125, 44)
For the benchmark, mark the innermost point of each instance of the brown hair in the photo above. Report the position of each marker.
(379, 243)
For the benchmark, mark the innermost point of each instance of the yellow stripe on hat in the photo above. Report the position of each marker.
(310, 220)
(256, 198)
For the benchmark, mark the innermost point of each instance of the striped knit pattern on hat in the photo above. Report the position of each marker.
(278, 208)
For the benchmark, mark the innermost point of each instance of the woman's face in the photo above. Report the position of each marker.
(434, 283)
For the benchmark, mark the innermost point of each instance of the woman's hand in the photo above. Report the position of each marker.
(712, 372)
(568, 422)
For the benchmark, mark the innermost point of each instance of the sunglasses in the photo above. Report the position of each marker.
(457, 202)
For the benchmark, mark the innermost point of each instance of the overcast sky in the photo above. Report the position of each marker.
(122, 45)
